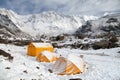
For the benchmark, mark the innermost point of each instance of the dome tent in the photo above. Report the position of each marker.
(70, 65)
(47, 56)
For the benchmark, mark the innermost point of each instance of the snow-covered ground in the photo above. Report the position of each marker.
(103, 64)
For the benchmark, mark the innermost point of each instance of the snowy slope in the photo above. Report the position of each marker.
(49, 23)
(103, 64)
(9, 30)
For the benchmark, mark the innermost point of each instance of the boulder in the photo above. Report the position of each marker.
(60, 37)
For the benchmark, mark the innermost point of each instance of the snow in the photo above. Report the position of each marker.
(42, 44)
(86, 18)
(102, 64)
(20, 63)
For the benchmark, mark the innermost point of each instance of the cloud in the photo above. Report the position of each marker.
(62, 6)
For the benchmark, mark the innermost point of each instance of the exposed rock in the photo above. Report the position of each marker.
(85, 46)
(81, 56)
(113, 39)
(81, 36)
(5, 54)
(101, 44)
(55, 44)
(34, 79)
(38, 67)
(7, 68)
(118, 52)
(85, 28)
(60, 37)
(76, 45)
(25, 71)
(72, 45)
(21, 42)
(53, 38)
(76, 79)
(22, 79)
(112, 20)
(50, 70)
(57, 38)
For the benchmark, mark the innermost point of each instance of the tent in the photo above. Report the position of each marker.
(47, 56)
(35, 48)
(70, 65)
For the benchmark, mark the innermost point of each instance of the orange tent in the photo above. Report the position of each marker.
(70, 65)
(35, 48)
(47, 56)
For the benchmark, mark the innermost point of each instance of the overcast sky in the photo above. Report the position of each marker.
(62, 6)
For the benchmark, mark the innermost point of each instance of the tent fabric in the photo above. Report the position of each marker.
(35, 48)
(70, 65)
(76, 61)
(47, 56)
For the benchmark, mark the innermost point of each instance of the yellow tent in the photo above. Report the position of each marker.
(35, 48)
(70, 65)
(47, 56)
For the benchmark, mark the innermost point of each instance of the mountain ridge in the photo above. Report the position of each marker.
(48, 23)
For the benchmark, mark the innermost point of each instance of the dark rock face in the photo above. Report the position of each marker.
(111, 28)
(81, 32)
(5, 54)
(111, 20)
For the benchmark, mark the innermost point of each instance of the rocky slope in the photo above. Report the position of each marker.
(104, 25)
(106, 28)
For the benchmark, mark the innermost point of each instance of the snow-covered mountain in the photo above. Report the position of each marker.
(49, 23)
(106, 24)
